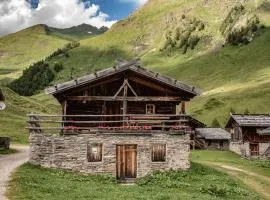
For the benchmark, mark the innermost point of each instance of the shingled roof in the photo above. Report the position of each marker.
(121, 67)
(256, 120)
(213, 133)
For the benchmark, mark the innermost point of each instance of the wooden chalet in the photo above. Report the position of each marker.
(250, 134)
(123, 120)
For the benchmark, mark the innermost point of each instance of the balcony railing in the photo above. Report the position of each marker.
(76, 124)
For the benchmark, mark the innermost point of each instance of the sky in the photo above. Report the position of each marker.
(16, 15)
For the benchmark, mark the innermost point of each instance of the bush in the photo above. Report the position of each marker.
(213, 103)
(58, 67)
(36, 77)
(235, 30)
(214, 190)
(183, 37)
(215, 123)
(63, 51)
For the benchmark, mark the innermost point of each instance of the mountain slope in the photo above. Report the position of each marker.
(19, 50)
(77, 32)
(13, 121)
(234, 77)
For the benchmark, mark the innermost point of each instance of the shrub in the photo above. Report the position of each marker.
(36, 77)
(215, 123)
(63, 51)
(183, 37)
(246, 112)
(240, 26)
(213, 103)
(58, 67)
(214, 190)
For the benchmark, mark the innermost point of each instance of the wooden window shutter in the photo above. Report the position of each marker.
(159, 153)
(94, 152)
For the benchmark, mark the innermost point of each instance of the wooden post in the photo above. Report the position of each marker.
(125, 102)
(64, 108)
(183, 107)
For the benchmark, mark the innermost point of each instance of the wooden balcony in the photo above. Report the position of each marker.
(129, 123)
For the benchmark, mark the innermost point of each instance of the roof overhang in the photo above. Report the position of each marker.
(123, 66)
(265, 131)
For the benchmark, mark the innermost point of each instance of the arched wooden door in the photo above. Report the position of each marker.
(126, 161)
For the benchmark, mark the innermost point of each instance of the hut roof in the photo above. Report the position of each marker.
(122, 67)
(213, 133)
(196, 122)
(255, 120)
(2, 98)
(265, 131)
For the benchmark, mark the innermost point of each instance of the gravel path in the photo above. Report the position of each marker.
(8, 163)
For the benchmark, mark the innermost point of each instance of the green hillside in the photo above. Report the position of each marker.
(232, 77)
(19, 50)
(13, 121)
(77, 32)
(219, 46)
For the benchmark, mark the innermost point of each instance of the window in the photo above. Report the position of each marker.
(94, 152)
(150, 109)
(159, 153)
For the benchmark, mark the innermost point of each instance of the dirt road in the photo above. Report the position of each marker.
(8, 163)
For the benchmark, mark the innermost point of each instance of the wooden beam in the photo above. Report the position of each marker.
(120, 89)
(125, 98)
(97, 84)
(183, 107)
(128, 98)
(132, 90)
(150, 84)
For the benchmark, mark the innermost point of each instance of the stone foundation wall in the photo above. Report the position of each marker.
(243, 149)
(70, 152)
(216, 145)
(240, 148)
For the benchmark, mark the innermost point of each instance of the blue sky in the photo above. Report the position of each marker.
(20, 14)
(116, 9)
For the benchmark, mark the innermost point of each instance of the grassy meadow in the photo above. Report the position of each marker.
(200, 182)
(13, 121)
(21, 49)
(7, 151)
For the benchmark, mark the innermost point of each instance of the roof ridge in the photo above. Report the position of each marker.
(121, 66)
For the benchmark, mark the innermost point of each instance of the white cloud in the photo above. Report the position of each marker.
(137, 2)
(18, 14)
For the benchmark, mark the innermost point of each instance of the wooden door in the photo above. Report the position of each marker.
(254, 149)
(126, 161)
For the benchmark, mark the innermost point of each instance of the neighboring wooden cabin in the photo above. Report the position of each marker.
(212, 138)
(250, 134)
(121, 120)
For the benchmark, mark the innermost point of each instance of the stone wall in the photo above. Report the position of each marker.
(216, 145)
(238, 148)
(243, 149)
(70, 151)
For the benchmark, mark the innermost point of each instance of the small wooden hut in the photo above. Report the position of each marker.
(250, 134)
(212, 138)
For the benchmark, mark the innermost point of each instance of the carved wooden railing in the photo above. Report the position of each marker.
(109, 123)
